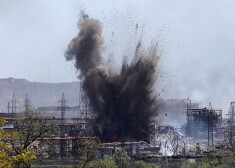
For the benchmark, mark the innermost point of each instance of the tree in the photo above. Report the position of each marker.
(175, 145)
(212, 160)
(121, 159)
(106, 162)
(31, 126)
(8, 157)
(142, 164)
(229, 139)
(87, 151)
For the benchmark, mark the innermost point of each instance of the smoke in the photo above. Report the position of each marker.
(86, 48)
(124, 101)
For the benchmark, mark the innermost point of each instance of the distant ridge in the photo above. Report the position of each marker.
(40, 93)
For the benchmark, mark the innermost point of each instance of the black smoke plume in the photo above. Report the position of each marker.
(123, 102)
(87, 46)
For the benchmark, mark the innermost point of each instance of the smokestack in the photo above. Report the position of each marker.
(123, 102)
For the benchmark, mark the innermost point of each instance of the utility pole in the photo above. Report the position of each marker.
(190, 127)
(83, 112)
(63, 108)
(83, 105)
(210, 114)
(83, 108)
(27, 103)
(62, 125)
(231, 122)
(13, 105)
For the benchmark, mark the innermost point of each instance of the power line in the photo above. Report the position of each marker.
(13, 105)
(39, 64)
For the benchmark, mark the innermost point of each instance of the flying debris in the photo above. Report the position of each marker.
(123, 102)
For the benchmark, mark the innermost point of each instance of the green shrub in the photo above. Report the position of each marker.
(142, 164)
(121, 159)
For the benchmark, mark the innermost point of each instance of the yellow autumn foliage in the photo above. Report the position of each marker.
(9, 158)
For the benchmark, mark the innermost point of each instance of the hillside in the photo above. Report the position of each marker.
(40, 94)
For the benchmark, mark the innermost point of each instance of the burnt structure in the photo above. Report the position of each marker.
(204, 123)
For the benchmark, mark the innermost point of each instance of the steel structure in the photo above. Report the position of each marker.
(62, 108)
(210, 145)
(13, 105)
(83, 108)
(190, 119)
(62, 126)
(27, 103)
(84, 116)
(71, 145)
(231, 123)
(201, 118)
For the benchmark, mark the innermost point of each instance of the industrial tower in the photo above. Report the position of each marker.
(13, 105)
(83, 108)
(231, 123)
(26, 103)
(210, 145)
(62, 125)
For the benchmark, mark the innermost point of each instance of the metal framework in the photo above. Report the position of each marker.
(13, 105)
(210, 145)
(200, 118)
(71, 145)
(83, 108)
(62, 126)
(190, 119)
(231, 123)
(27, 103)
(153, 130)
(62, 108)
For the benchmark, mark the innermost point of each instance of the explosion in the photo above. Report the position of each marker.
(123, 102)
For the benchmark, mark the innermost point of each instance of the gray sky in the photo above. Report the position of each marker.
(197, 38)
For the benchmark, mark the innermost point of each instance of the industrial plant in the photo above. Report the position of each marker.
(110, 112)
(201, 129)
